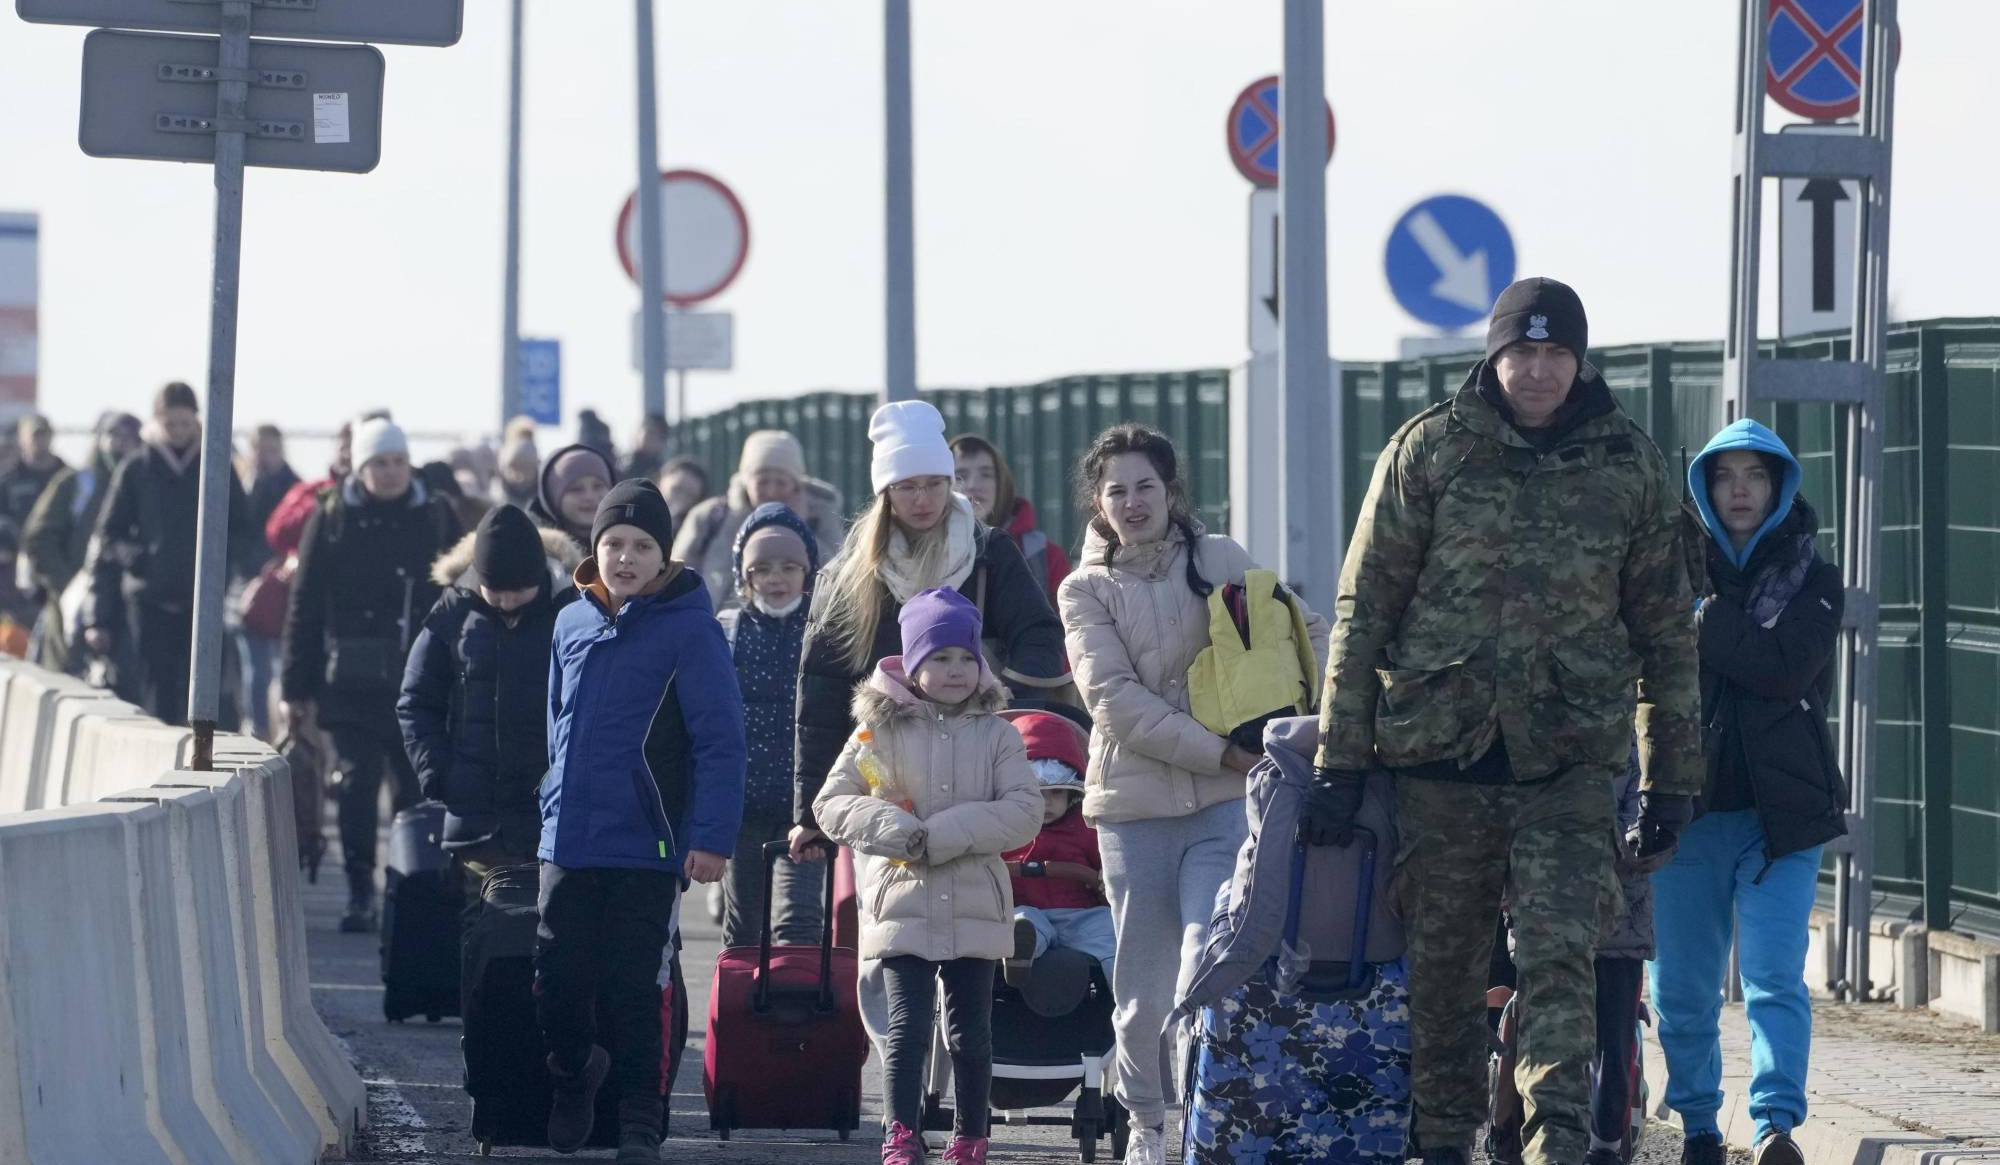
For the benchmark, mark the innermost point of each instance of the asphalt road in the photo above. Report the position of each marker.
(418, 1111)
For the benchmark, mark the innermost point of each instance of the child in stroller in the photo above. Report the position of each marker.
(1052, 1035)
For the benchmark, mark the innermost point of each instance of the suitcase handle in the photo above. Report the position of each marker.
(1364, 903)
(773, 850)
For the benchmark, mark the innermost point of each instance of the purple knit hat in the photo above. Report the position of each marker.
(936, 619)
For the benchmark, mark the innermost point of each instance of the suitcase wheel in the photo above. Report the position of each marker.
(844, 1133)
(723, 1133)
(486, 1146)
(434, 1017)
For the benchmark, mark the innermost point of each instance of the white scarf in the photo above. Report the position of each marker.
(961, 554)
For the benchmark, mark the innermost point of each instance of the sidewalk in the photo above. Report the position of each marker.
(1886, 1088)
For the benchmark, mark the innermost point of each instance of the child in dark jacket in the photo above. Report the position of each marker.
(645, 786)
(1058, 877)
(776, 560)
(475, 690)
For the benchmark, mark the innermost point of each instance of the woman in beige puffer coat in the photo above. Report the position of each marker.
(929, 794)
(1164, 792)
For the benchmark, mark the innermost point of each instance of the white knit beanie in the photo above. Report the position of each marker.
(909, 442)
(374, 438)
(771, 449)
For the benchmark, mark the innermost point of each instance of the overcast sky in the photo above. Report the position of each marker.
(1076, 211)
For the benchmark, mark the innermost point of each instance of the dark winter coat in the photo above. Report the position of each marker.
(645, 731)
(766, 649)
(359, 598)
(1766, 676)
(1764, 692)
(266, 491)
(1017, 617)
(146, 538)
(57, 544)
(22, 486)
(474, 708)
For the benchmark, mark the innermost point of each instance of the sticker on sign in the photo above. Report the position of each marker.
(696, 341)
(330, 118)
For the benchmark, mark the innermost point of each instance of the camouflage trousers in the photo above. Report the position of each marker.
(1545, 850)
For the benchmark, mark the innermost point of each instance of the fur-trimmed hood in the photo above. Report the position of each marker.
(453, 568)
(887, 695)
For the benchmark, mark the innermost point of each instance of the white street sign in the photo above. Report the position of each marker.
(1263, 299)
(1817, 220)
(18, 296)
(696, 341)
(707, 236)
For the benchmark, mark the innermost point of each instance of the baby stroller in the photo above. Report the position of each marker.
(1051, 1041)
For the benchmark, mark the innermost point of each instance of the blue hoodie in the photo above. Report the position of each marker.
(1743, 434)
(766, 650)
(645, 731)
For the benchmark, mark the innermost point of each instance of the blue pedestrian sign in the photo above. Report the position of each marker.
(1448, 259)
(541, 380)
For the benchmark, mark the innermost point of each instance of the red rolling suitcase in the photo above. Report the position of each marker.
(785, 1045)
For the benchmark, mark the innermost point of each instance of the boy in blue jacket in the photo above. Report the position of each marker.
(645, 787)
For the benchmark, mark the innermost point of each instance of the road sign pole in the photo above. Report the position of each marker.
(510, 319)
(899, 214)
(232, 99)
(652, 249)
(1310, 503)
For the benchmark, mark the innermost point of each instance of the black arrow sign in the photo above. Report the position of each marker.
(1271, 300)
(1822, 193)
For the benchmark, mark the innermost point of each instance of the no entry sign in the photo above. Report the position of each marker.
(707, 236)
(1252, 132)
(1812, 57)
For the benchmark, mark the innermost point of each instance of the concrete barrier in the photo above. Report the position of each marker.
(27, 720)
(298, 1041)
(260, 1120)
(110, 754)
(84, 1028)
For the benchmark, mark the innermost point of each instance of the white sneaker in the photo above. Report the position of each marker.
(1146, 1147)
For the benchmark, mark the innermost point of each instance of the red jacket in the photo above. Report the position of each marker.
(1068, 839)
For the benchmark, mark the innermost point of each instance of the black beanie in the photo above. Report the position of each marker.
(507, 551)
(1538, 309)
(634, 502)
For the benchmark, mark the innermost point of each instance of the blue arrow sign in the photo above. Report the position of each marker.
(541, 380)
(1448, 259)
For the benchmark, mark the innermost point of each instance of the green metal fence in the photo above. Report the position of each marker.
(1937, 826)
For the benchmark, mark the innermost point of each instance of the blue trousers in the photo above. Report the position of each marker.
(1713, 880)
(1087, 929)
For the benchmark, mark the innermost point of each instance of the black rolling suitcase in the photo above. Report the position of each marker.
(420, 908)
(506, 1071)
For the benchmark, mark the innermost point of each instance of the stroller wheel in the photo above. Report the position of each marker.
(1087, 1132)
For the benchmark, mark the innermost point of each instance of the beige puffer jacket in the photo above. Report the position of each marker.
(1133, 629)
(973, 797)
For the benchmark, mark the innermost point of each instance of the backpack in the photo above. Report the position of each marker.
(1259, 663)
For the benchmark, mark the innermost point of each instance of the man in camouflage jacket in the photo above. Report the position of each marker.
(1513, 589)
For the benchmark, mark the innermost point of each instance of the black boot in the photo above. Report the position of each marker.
(639, 1123)
(573, 1109)
(1777, 1148)
(1704, 1149)
(360, 917)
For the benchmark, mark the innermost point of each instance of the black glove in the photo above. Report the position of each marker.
(1662, 816)
(1332, 799)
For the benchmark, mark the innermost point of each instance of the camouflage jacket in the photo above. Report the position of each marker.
(1493, 589)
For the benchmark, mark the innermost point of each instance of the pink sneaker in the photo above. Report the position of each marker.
(900, 1146)
(966, 1151)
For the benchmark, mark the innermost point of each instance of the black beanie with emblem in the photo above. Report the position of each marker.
(1538, 309)
(507, 552)
(634, 502)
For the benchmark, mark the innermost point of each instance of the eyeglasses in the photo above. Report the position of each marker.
(921, 487)
(764, 570)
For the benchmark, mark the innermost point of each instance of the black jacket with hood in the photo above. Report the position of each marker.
(474, 707)
(1765, 685)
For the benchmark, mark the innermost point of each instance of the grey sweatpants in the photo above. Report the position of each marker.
(799, 912)
(1161, 877)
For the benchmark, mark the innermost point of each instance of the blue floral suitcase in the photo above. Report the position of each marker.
(1300, 1065)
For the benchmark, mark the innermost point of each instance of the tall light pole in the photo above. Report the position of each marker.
(899, 213)
(652, 251)
(510, 317)
(1309, 506)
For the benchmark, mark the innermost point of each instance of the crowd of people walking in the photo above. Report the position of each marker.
(1591, 696)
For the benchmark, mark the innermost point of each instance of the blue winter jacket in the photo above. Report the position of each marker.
(766, 649)
(646, 750)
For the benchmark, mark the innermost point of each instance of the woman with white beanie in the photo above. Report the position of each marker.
(771, 468)
(917, 535)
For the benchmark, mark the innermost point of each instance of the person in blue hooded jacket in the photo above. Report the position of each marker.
(1767, 624)
(776, 559)
(645, 786)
